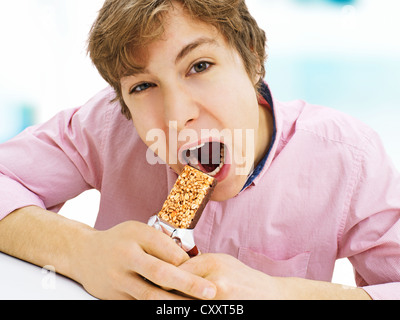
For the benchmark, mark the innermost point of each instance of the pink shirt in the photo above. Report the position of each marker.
(327, 190)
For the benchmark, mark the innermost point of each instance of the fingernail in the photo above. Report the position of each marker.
(209, 293)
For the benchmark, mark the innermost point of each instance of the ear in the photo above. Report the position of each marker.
(258, 75)
(257, 79)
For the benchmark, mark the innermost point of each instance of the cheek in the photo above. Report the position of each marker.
(233, 97)
(155, 134)
(149, 127)
(154, 138)
(146, 116)
(235, 106)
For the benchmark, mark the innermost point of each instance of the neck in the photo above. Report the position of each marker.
(265, 133)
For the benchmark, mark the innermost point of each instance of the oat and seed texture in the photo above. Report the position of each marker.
(188, 198)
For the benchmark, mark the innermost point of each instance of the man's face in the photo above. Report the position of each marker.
(195, 92)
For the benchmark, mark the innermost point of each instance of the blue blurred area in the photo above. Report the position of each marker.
(43, 61)
(353, 85)
(15, 116)
(338, 2)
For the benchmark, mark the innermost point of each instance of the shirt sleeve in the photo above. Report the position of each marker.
(48, 164)
(371, 234)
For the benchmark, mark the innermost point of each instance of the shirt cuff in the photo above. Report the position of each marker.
(388, 291)
(14, 196)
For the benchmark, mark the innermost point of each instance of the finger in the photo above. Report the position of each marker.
(142, 289)
(197, 266)
(159, 245)
(168, 276)
(200, 265)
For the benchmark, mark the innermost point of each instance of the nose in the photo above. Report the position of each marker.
(180, 107)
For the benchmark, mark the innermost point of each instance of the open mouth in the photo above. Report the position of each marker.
(208, 157)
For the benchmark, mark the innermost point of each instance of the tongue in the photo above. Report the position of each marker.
(210, 156)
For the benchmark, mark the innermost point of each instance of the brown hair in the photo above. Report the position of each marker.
(123, 25)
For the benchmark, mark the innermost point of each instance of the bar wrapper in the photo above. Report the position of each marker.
(184, 206)
(183, 237)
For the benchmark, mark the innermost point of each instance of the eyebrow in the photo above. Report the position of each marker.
(192, 46)
(183, 53)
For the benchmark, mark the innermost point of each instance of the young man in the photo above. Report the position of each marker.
(299, 186)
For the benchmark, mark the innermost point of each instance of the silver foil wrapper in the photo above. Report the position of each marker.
(183, 237)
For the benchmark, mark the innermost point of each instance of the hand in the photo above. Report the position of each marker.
(236, 281)
(117, 263)
(233, 279)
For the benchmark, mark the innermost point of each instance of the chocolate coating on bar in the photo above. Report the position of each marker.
(188, 198)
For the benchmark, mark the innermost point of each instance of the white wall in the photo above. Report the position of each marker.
(43, 58)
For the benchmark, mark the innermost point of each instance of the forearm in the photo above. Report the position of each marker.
(109, 264)
(43, 238)
(302, 289)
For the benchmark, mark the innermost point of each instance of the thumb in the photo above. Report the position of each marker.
(200, 265)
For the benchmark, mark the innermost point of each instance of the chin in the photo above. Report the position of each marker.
(228, 188)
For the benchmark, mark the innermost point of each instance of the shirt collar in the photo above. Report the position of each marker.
(266, 100)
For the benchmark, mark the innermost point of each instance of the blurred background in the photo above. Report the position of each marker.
(344, 54)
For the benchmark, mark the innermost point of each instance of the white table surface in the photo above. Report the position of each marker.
(20, 280)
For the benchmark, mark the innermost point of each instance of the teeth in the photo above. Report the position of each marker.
(198, 147)
(192, 159)
(222, 162)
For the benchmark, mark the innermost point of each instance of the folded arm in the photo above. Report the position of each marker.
(130, 261)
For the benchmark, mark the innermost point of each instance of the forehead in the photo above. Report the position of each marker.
(179, 29)
(177, 19)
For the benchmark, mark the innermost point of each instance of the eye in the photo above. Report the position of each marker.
(141, 87)
(200, 67)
